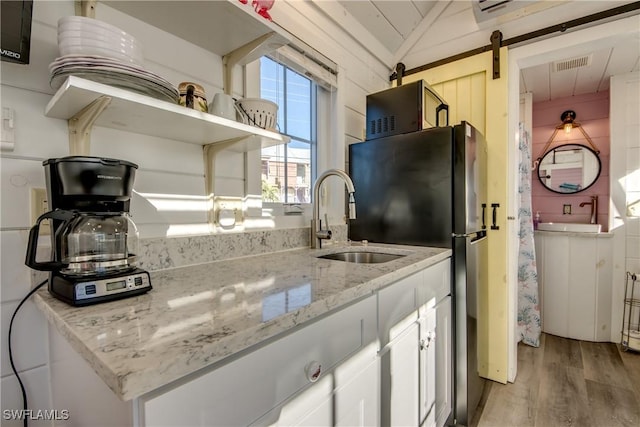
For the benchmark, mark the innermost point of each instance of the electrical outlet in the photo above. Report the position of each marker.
(229, 213)
(566, 209)
(39, 205)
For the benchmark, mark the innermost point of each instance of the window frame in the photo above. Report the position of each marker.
(313, 141)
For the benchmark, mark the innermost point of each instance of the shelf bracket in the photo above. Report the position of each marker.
(80, 126)
(210, 152)
(86, 8)
(249, 52)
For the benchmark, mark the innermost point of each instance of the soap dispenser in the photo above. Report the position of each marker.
(536, 220)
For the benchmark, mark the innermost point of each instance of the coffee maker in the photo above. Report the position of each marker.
(93, 239)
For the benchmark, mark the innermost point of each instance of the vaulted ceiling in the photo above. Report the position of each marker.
(395, 27)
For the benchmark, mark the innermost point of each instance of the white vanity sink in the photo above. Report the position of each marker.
(570, 226)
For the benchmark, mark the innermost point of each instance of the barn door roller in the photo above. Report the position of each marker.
(496, 43)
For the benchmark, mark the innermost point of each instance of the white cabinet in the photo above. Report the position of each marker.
(331, 372)
(278, 379)
(574, 275)
(407, 322)
(444, 361)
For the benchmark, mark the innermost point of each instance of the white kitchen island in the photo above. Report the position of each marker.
(274, 339)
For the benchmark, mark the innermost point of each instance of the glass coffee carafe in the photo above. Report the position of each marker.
(98, 244)
(88, 243)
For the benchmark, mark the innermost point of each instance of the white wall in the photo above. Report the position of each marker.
(625, 187)
(167, 167)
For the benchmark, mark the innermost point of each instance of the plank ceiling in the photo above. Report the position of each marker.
(396, 24)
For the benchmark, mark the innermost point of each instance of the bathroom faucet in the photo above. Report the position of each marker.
(594, 209)
(317, 233)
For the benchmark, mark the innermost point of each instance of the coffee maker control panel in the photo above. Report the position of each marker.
(111, 286)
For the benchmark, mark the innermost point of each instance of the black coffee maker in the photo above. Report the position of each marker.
(93, 239)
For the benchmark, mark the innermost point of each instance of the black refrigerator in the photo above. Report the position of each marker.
(428, 188)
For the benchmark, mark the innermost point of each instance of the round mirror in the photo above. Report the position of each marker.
(569, 168)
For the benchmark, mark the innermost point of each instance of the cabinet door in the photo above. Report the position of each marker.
(569, 279)
(312, 407)
(357, 393)
(444, 357)
(556, 290)
(404, 376)
(581, 288)
(427, 322)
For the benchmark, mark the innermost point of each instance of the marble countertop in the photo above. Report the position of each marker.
(198, 315)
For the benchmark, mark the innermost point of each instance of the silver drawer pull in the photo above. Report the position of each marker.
(313, 371)
(431, 337)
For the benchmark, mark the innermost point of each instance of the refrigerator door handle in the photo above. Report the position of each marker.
(475, 236)
(484, 208)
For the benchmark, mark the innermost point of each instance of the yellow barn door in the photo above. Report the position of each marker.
(474, 96)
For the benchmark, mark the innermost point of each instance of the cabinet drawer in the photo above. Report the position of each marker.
(244, 390)
(437, 282)
(396, 302)
(348, 397)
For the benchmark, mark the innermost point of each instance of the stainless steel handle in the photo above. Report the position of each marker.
(425, 343)
(475, 236)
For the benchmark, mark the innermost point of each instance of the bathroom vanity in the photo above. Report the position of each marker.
(574, 276)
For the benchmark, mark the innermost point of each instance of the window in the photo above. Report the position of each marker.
(288, 170)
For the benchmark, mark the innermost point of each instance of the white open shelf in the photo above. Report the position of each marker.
(133, 112)
(219, 26)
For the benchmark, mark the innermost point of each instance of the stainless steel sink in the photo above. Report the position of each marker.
(362, 257)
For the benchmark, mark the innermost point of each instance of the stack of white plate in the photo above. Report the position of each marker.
(98, 51)
(78, 35)
(112, 72)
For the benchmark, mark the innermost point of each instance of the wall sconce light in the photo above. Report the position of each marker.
(567, 118)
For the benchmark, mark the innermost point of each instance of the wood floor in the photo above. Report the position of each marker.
(566, 382)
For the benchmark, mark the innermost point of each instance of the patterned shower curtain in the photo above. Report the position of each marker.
(529, 325)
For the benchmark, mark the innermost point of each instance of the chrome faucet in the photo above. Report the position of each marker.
(594, 209)
(317, 233)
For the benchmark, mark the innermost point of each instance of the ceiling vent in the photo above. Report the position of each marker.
(572, 63)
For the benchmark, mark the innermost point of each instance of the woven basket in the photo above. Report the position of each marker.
(258, 112)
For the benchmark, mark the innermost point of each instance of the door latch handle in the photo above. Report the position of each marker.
(494, 214)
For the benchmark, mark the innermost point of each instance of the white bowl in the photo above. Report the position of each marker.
(87, 36)
(85, 49)
(114, 42)
(88, 24)
(123, 47)
(109, 38)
